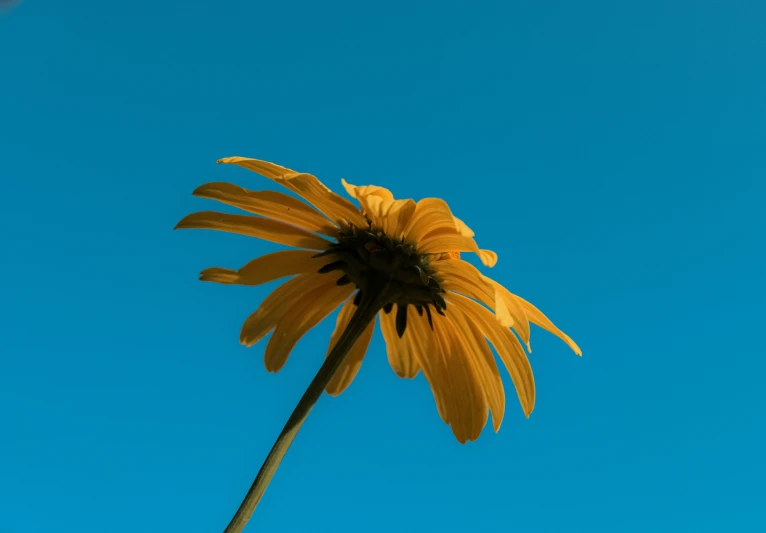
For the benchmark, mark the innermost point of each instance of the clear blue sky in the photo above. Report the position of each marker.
(612, 153)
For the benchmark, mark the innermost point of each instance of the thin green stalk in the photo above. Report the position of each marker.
(371, 303)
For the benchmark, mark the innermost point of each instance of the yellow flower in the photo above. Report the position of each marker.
(398, 260)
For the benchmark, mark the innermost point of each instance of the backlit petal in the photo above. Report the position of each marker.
(335, 207)
(439, 242)
(539, 319)
(300, 319)
(507, 304)
(402, 355)
(270, 204)
(460, 276)
(358, 192)
(507, 346)
(481, 357)
(275, 305)
(426, 345)
(268, 268)
(430, 214)
(353, 361)
(468, 405)
(262, 228)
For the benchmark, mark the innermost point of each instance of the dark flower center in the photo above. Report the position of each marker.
(369, 258)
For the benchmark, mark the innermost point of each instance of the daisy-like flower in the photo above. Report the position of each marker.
(398, 260)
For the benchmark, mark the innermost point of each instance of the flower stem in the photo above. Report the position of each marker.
(370, 304)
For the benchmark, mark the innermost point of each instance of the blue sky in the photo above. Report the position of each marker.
(612, 153)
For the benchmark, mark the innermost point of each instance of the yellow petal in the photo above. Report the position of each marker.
(539, 319)
(268, 268)
(430, 360)
(395, 215)
(403, 210)
(353, 361)
(460, 276)
(270, 204)
(299, 319)
(462, 228)
(430, 214)
(220, 275)
(335, 207)
(402, 355)
(262, 228)
(366, 190)
(439, 242)
(378, 203)
(483, 360)
(507, 346)
(507, 304)
(276, 304)
(468, 405)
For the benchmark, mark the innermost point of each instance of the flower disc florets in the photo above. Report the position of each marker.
(369, 258)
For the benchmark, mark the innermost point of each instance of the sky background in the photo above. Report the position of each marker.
(612, 153)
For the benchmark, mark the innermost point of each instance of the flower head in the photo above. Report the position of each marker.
(438, 313)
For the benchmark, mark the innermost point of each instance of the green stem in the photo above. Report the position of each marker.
(372, 302)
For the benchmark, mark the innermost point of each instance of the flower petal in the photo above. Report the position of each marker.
(468, 405)
(353, 360)
(483, 360)
(335, 207)
(402, 354)
(462, 228)
(268, 268)
(300, 319)
(507, 304)
(430, 360)
(439, 242)
(384, 211)
(275, 305)
(359, 192)
(507, 346)
(460, 276)
(262, 228)
(430, 214)
(269, 204)
(539, 319)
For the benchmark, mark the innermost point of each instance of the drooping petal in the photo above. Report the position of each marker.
(300, 319)
(539, 319)
(353, 360)
(268, 268)
(262, 228)
(508, 348)
(335, 207)
(507, 305)
(275, 305)
(468, 405)
(270, 204)
(483, 360)
(460, 276)
(452, 242)
(426, 345)
(402, 355)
